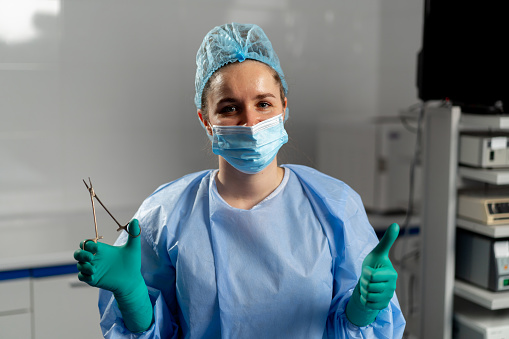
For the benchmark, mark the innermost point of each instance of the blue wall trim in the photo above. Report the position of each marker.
(16, 274)
(39, 272)
(53, 270)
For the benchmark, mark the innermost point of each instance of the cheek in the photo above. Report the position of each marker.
(208, 126)
(212, 121)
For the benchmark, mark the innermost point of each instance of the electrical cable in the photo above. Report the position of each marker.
(414, 163)
(408, 127)
(404, 232)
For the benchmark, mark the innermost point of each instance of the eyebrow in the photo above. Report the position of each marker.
(265, 95)
(258, 97)
(226, 100)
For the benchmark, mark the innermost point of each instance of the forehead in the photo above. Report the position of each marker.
(249, 75)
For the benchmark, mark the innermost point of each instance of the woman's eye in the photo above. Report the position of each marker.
(264, 105)
(228, 109)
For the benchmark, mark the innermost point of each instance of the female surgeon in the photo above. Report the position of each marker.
(249, 250)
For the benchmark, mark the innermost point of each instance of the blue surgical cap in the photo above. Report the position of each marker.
(230, 43)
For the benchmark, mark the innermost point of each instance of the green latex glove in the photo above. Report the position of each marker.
(377, 283)
(117, 269)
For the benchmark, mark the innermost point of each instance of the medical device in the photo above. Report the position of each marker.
(484, 149)
(486, 207)
(120, 227)
(482, 261)
(472, 321)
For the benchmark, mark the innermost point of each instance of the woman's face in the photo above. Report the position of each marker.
(242, 94)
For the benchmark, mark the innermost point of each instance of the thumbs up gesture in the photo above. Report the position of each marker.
(378, 278)
(377, 283)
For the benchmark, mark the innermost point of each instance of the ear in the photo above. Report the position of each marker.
(204, 122)
(284, 110)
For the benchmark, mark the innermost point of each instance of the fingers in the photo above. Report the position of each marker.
(86, 268)
(374, 287)
(377, 289)
(90, 246)
(87, 254)
(83, 256)
(86, 278)
(383, 274)
(375, 302)
(387, 240)
(374, 298)
(84, 265)
(377, 295)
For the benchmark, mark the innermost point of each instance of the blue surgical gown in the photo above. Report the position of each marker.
(284, 269)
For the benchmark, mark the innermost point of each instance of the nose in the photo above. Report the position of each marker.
(250, 117)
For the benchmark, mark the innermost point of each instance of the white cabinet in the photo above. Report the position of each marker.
(58, 306)
(15, 316)
(15, 295)
(64, 307)
(16, 326)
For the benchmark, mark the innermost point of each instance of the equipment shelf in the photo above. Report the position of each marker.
(488, 299)
(484, 121)
(490, 176)
(493, 231)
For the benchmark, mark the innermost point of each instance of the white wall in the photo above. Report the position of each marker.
(400, 40)
(105, 89)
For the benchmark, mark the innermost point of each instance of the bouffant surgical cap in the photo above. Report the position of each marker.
(230, 43)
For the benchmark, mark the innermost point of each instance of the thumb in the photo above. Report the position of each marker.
(387, 240)
(134, 232)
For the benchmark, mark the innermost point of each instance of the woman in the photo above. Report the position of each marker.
(250, 250)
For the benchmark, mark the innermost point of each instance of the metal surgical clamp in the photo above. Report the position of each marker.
(120, 227)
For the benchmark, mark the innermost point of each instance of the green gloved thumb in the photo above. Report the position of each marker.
(385, 244)
(133, 229)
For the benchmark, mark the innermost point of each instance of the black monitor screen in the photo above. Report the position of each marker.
(464, 55)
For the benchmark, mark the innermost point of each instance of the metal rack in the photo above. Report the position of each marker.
(439, 221)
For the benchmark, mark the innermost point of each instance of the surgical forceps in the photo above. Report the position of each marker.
(120, 227)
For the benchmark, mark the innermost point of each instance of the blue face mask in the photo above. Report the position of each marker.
(249, 149)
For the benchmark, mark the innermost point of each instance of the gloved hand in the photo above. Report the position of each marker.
(377, 283)
(117, 269)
